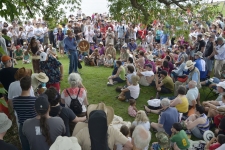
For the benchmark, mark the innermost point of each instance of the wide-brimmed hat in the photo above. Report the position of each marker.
(100, 43)
(163, 139)
(221, 110)
(5, 123)
(221, 84)
(189, 64)
(207, 34)
(101, 106)
(42, 77)
(150, 57)
(208, 135)
(22, 72)
(65, 143)
(199, 54)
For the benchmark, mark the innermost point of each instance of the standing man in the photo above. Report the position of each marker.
(219, 52)
(53, 69)
(71, 49)
(201, 44)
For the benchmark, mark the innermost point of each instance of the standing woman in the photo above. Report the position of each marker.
(60, 38)
(70, 46)
(34, 50)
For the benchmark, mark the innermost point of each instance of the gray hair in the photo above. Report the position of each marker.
(74, 79)
(165, 102)
(141, 137)
(192, 83)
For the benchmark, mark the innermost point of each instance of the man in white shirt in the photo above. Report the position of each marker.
(219, 52)
(192, 94)
(146, 75)
(39, 33)
(30, 31)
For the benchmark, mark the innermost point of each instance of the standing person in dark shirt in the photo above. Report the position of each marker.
(7, 73)
(66, 114)
(200, 46)
(209, 55)
(77, 31)
(5, 124)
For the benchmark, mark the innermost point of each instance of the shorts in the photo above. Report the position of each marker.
(61, 44)
(143, 81)
(192, 53)
(118, 79)
(209, 64)
(55, 85)
(165, 90)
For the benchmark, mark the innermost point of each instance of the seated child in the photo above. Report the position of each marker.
(101, 60)
(18, 53)
(26, 58)
(25, 46)
(125, 131)
(108, 61)
(132, 110)
(95, 57)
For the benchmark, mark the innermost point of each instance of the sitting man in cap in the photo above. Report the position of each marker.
(198, 123)
(199, 62)
(168, 116)
(146, 75)
(140, 138)
(194, 74)
(164, 84)
(7, 73)
(52, 68)
(5, 124)
(85, 138)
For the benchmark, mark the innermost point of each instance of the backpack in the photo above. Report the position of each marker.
(75, 105)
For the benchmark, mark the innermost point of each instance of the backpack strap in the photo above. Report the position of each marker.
(69, 93)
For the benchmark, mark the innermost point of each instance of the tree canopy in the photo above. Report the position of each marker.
(25, 9)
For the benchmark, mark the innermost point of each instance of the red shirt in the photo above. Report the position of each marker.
(214, 146)
(109, 26)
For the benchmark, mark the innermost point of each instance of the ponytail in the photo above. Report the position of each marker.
(45, 129)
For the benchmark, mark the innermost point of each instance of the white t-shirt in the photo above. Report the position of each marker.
(134, 91)
(222, 104)
(40, 32)
(129, 75)
(15, 90)
(31, 33)
(53, 50)
(222, 147)
(192, 94)
(147, 73)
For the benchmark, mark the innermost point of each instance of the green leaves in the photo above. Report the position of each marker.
(2, 51)
(2, 101)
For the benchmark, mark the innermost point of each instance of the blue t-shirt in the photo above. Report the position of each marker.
(164, 38)
(168, 118)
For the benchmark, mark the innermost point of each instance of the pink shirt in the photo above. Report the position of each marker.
(131, 111)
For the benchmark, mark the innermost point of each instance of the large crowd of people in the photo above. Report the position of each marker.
(49, 117)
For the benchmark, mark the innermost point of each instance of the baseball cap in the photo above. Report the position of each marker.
(5, 58)
(5, 123)
(221, 84)
(43, 56)
(41, 104)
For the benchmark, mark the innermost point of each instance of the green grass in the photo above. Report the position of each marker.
(95, 79)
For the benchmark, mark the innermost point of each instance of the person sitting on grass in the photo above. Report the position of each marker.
(140, 62)
(108, 61)
(142, 119)
(215, 142)
(132, 110)
(164, 84)
(146, 75)
(197, 123)
(95, 57)
(125, 131)
(18, 53)
(168, 116)
(179, 137)
(211, 106)
(181, 101)
(119, 76)
(131, 91)
(129, 74)
(26, 57)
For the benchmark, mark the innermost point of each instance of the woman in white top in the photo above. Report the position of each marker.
(89, 34)
(76, 86)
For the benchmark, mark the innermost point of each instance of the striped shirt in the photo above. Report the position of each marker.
(24, 107)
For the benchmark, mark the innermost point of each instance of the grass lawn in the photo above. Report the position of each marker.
(95, 79)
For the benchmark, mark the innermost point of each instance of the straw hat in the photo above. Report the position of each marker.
(207, 34)
(100, 106)
(42, 77)
(189, 64)
(22, 72)
(65, 143)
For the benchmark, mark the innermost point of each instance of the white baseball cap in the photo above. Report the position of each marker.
(221, 84)
(43, 56)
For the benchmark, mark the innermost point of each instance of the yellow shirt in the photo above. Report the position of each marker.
(114, 137)
(183, 106)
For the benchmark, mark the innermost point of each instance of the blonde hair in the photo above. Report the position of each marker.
(135, 79)
(141, 116)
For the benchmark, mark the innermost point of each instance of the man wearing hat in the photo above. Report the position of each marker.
(111, 50)
(199, 62)
(81, 131)
(146, 75)
(53, 69)
(209, 55)
(219, 55)
(7, 73)
(5, 124)
(194, 74)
